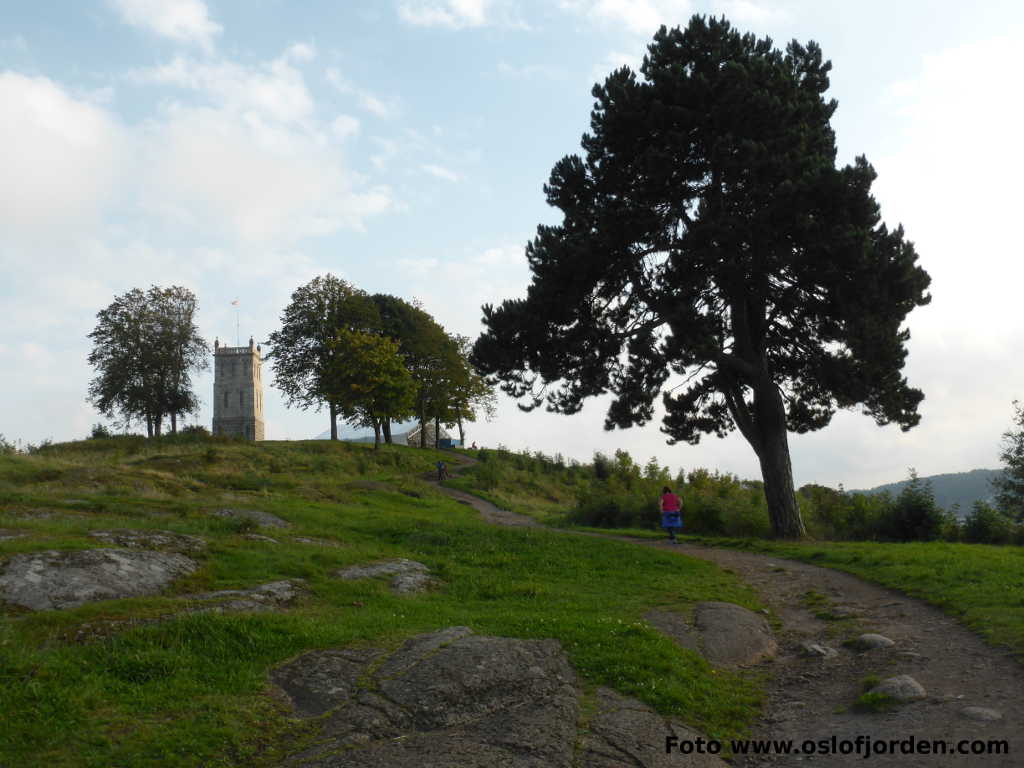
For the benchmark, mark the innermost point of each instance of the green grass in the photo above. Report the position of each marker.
(187, 690)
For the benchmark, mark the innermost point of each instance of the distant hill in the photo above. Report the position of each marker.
(963, 488)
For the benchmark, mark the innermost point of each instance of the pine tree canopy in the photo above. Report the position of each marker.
(708, 233)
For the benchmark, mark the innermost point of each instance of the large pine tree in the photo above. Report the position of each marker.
(708, 233)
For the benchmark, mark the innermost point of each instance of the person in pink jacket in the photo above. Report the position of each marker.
(671, 513)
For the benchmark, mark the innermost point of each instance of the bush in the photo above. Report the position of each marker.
(100, 432)
(914, 516)
(987, 525)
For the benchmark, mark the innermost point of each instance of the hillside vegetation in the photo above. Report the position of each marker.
(139, 682)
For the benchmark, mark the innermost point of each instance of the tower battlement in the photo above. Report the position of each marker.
(238, 391)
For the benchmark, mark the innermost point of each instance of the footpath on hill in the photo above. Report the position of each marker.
(973, 694)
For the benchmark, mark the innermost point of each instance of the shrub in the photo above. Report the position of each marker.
(987, 525)
(100, 432)
(914, 516)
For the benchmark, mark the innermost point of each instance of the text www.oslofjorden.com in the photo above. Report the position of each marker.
(863, 746)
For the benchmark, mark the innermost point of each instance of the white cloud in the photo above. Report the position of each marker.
(453, 14)
(184, 21)
(61, 156)
(366, 100)
(345, 126)
(418, 268)
(275, 89)
(640, 17)
(745, 11)
(440, 172)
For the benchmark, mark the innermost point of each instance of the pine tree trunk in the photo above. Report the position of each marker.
(376, 434)
(149, 425)
(174, 423)
(776, 468)
(386, 428)
(334, 421)
(437, 431)
(462, 432)
(158, 422)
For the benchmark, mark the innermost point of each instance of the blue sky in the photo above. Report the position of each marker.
(241, 148)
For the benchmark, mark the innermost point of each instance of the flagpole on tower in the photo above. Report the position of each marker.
(238, 337)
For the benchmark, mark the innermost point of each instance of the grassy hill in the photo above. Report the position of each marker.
(141, 681)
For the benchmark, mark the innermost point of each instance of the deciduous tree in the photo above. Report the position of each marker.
(145, 346)
(301, 350)
(367, 380)
(708, 234)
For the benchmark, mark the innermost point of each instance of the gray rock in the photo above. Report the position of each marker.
(408, 576)
(624, 733)
(275, 594)
(315, 542)
(259, 517)
(733, 635)
(260, 537)
(54, 579)
(902, 688)
(871, 641)
(139, 539)
(446, 699)
(981, 714)
(6, 534)
(816, 649)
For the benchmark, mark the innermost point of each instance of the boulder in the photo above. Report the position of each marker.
(724, 633)
(733, 635)
(275, 594)
(450, 698)
(53, 579)
(870, 641)
(981, 714)
(902, 688)
(6, 534)
(140, 539)
(817, 649)
(407, 576)
(259, 517)
(624, 733)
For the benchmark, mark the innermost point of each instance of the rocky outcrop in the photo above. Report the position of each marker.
(725, 633)
(53, 579)
(139, 539)
(275, 594)
(455, 699)
(407, 576)
(257, 516)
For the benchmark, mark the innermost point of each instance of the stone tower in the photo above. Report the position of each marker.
(237, 391)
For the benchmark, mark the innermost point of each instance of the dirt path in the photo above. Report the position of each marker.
(810, 697)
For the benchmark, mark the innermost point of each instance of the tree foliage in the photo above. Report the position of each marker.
(1009, 486)
(707, 234)
(302, 351)
(367, 380)
(145, 346)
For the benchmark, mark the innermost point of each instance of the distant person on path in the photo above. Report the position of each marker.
(442, 471)
(473, 446)
(671, 513)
